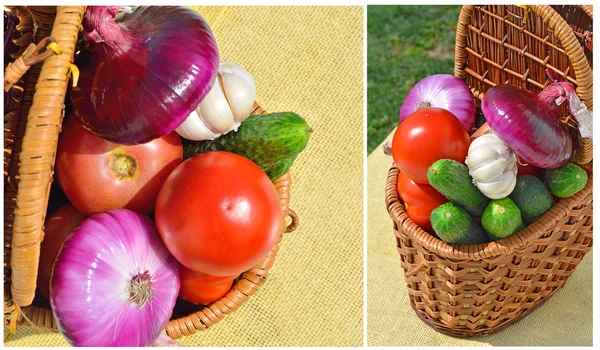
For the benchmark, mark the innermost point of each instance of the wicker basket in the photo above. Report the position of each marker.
(475, 290)
(30, 142)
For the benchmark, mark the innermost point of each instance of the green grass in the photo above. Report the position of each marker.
(404, 45)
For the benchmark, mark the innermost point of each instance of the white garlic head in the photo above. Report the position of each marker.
(223, 109)
(493, 166)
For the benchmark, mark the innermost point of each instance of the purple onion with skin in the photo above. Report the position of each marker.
(444, 91)
(148, 69)
(529, 123)
(114, 283)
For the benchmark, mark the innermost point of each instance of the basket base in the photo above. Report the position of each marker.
(469, 333)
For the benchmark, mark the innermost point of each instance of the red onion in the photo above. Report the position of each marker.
(114, 282)
(444, 91)
(530, 123)
(149, 69)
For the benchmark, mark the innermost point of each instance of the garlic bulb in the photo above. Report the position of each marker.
(224, 108)
(493, 166)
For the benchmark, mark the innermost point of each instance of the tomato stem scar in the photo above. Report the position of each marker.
(123, 167)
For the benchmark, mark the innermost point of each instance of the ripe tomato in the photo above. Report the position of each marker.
(427, 135)
(482, 130)
(419, 201)
(527, 169)
(201, 289)
(57, 227)
(218, 213)
(97, 175)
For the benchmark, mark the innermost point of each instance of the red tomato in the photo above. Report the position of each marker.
(526, 169)
(218, 213)
(427, 135)
(97, 175)
(419, 200)
(201, 289)
(56, 229)
(481, 131)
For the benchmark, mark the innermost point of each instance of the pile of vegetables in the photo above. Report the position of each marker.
(472, 186)
(167, 179)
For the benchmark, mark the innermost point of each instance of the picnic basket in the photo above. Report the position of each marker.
(32, 127)
(477, 290)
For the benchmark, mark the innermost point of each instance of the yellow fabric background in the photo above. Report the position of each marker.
(308, 60)
(565, 319)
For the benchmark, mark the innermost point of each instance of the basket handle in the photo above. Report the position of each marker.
(32, 55)
(588, 9)
(38, 153)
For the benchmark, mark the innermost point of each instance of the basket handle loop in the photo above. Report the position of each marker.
(294, 224)
(30, 57)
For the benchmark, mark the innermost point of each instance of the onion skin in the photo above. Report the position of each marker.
(92, 273)
(145, 74)
(529, 123)
(443, 91)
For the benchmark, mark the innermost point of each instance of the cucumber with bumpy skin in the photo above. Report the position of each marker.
(502, 218)
(455, 226)
(566, 180)
(452, 179)
(275, 171)
(272, 141)
(532, 198)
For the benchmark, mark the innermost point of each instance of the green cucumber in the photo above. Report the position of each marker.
(566, 180)
(532, 198)
(501, 218)
(452, 180)
(454, 225)
(275, 171)
(272, 141)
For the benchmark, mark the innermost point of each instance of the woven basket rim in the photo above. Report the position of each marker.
(477, 251)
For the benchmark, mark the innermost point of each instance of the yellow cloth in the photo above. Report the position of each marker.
(308, 60)
(565, 319)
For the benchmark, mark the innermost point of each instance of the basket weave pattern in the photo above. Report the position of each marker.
(480, 289)
(475, 290)
(494, 45)
(580, 20)
(30, 143)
